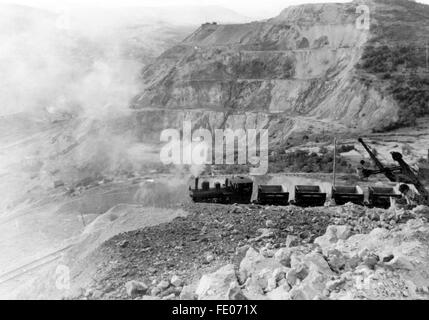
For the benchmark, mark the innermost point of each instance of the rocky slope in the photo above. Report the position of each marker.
(379, 265)
(291, 74)
(256, 252)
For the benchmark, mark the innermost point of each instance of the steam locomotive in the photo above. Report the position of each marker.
(235, 190)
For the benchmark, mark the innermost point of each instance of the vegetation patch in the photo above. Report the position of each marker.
(306, 161)
(397, 56)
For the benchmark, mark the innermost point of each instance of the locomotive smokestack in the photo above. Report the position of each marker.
(196, 183)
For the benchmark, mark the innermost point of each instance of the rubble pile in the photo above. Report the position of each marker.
(257, 252)
(380, 265)
(363, 220)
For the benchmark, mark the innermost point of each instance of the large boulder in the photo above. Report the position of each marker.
(291, 241)
(291, 277)
(188, 293)
(316, 262)
(332, 235)
(313, 271)
(337, 260)
(235, 292)
(280, 293)
(400, 262)
(176, 281)
(421, 210)
(254, 263)
(251, 295)
(215, 286)
(135, 288)
(254, 286)
(312, 286)
(283, 256)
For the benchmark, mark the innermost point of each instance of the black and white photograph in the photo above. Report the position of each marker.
(230, 151)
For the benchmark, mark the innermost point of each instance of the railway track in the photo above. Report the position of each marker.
(33, 265)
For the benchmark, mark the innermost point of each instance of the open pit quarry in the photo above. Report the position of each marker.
(89, 212)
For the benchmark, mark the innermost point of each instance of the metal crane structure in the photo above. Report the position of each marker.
(401, 173)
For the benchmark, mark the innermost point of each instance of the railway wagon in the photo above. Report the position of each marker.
(380, 196)
(272, 195)
(344, 194)
(309, 196)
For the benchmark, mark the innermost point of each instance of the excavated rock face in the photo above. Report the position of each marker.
(294, 72)
(280, 65)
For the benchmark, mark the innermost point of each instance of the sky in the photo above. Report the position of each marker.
(249, 8)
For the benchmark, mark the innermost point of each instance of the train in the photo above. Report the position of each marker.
(239, 190)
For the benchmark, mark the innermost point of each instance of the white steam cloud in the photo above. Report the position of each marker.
(72, 83)
(47, 67)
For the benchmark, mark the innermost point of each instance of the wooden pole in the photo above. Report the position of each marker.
(335, 162)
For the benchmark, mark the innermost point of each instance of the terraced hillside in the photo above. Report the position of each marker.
(310, 69)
